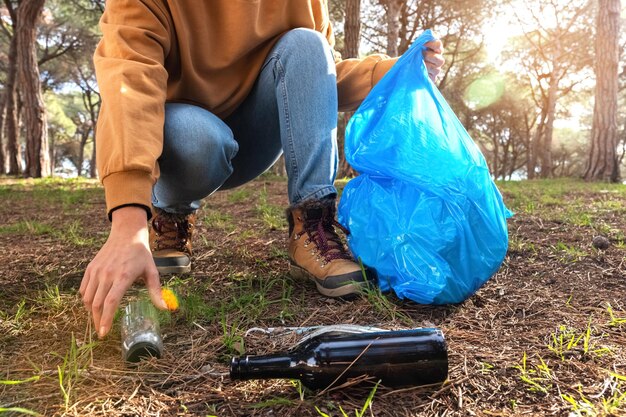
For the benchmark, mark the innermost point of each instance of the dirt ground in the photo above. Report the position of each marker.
(546, 336)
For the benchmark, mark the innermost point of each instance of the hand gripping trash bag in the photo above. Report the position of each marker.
(424, 213)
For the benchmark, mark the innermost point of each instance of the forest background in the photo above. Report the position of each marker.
(540, 84)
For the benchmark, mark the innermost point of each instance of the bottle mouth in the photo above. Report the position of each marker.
(142, 350)
(235, 367)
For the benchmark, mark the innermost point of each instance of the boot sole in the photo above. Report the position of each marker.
(178, 269)
(344, 291)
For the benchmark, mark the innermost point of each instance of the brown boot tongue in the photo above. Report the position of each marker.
(172, 231)
(314, 215)
(320, 227)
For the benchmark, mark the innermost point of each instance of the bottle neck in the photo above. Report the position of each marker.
(264, 366)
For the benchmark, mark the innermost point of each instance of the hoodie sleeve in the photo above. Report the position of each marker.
(356, 77)
(132, 80)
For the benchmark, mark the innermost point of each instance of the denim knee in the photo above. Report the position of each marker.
(310, 48)
(197, 151)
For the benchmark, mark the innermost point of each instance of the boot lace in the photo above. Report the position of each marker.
(172, 232)
(321, 232)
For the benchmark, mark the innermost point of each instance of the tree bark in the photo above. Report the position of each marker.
(495, 168)
(534, 147)
(352, 29)
(35, 123)
(344, 169)
(11, 119)
(603, 160)
(393, 8)
(506, 153)
(93, 171)
(548, 132)
(352, 40)
(87, 128)
(91, 102)
(3, 159)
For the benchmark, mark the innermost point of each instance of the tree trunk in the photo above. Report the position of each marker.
(512, 165)
(35, 123)
(93, 171)
(493, 133)
(13, 148)
(506, 153)
(546, 145)
(3, 159)
(393, 25)
(52, 148)
(344, 170)
(91, 102)
(603, 161)
(88, 97)
(279, 167)
(495, 164)
(352, 29)
(81, 151)
(621, 144)
(534, 148)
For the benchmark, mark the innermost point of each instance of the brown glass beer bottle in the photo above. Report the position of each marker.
(397, 358)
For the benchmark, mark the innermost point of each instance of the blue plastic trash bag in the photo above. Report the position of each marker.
(424, 213)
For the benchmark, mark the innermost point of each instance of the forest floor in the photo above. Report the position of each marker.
(545, 336)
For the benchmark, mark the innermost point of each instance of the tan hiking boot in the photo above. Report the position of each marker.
(170, 241)
(316, 251)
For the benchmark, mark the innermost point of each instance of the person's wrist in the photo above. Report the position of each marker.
(129, 218)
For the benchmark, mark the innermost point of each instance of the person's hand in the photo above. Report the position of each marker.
(433, 58)
(124, 259)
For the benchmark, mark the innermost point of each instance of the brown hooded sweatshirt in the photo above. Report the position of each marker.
(203, 52)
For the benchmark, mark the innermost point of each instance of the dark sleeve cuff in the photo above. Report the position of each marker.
(147, 209)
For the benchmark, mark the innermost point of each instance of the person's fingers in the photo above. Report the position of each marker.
(433, 72)
(434, 59)
(99, 298)
(109, 305)
(84, 282)
(435, 46)
(89, 286)
(85, 294)
(153, 284)
(88, 289)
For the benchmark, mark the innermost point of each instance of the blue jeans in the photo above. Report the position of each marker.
(292, 109)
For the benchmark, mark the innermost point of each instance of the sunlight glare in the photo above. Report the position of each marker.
(494, 39)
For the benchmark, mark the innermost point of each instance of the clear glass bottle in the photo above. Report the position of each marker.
(397, 358)
(140, 331)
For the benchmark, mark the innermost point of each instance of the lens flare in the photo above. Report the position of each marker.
(484, 91)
